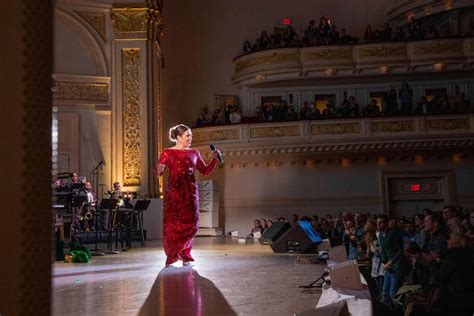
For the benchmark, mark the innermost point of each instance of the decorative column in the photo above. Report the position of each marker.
(135, 109)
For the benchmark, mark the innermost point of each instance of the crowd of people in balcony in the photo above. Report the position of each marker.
(433, 249)
(391, 103)
(326, 33)
(231, 115)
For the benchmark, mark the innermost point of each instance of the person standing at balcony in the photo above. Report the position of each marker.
(181, 202)
(405, 95)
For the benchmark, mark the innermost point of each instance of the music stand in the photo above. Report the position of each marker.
(110, 205)
(140, 206)
(78, 200)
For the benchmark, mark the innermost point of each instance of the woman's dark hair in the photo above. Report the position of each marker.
(176, 131)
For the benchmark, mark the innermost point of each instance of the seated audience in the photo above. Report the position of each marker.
(235, 116)
(257, 227)
(349, 108)
(263, 223)
(423, 107)
(372, 110)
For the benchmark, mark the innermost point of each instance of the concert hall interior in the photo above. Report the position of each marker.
(346, 133)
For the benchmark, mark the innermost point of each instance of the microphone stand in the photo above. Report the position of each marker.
(95, 178)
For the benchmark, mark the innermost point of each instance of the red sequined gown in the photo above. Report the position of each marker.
(181, 203)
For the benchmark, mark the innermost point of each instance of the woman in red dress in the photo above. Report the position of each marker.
(181, 203)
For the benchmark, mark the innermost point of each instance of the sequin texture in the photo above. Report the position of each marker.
(181, 202)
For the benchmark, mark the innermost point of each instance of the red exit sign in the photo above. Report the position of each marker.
(415, 187)
(286, 21)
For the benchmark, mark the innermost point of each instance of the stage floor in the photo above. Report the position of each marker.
(228, 278)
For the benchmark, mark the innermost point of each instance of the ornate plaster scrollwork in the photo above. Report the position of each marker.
(383, 51)
(329, 54)
(200, 137)
(96, 20)
(263, 132)
(393, 126)
(130, 22)
(266, 59)
(131, 116)
(342, 128)
(438, 48)
(81, 91)
(448, 124)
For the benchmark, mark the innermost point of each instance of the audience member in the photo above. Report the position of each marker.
(392, 255)
(423, 107)
(405, 95)
(450, 216)
(235, 116)
(372, 109)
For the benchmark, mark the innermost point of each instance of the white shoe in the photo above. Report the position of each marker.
(187, 263)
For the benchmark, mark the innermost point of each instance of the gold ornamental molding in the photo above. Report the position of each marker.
(393, 126)
(336, 129)
(383, 51)
(81, 91)
(207, 136)
(131, 116)
(267, 132)
(275, 57)
(438, 48)
(329, 54)
(447, 124)
(130, 22)
(96, 20)
(470, 48)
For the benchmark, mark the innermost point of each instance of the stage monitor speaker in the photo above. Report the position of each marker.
(346, 275)
(301, 238)
(335, 309)
(273, 233)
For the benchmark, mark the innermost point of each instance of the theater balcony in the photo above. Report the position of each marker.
(343, 140)
(353, 61)
(400, 10)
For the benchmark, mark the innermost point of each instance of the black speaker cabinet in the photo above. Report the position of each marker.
(300, 238)
(273, 233)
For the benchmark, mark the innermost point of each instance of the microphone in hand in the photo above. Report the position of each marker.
(214, 150)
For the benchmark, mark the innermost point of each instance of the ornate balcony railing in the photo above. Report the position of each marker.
(399, 10)
(454, 133)
(354, 60)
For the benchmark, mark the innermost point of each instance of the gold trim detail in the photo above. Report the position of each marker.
(81, 91)
(334, 129)
(393, 126)
(96, 20)
(131, 116)
(329, 54)
(265, 132)
(471, 47)
(447, 124)
(130, 22)
(383, 51)
(275, 57)
(201, 137)
(438, 48)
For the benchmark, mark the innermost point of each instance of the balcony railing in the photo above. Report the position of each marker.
(354, 136)
(354, 60)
